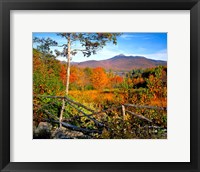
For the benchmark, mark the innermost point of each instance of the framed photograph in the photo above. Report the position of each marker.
(101, 86)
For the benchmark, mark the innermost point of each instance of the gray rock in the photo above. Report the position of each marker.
(43, 131)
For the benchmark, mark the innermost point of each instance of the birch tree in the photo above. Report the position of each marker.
(89, 43)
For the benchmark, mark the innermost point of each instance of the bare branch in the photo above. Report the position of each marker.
(62, 45)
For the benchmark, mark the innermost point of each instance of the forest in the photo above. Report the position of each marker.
(100, 103)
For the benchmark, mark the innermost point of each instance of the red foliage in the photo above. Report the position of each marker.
(116, 79)
(63, 74)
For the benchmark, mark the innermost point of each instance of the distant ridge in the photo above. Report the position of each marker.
(122, 62)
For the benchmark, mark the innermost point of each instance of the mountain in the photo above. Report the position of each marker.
(122, 63)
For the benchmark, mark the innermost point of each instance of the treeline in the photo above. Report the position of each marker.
(144, 86)
(49, 76)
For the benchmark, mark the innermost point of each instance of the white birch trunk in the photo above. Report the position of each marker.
(67, 82)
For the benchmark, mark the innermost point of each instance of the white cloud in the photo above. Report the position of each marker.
(159, 55)
(130, 36)
(107, 53)
(125, 36)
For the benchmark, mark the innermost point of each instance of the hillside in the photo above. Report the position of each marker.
(122, 63)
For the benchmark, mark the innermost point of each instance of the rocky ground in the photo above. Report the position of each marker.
(46, 131)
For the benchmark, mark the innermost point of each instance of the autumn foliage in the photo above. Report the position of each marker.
(99, 78)
(99, 89)
(63, 74)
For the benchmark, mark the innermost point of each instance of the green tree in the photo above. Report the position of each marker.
(44, 44)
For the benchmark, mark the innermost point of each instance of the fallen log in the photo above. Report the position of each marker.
(79, 104)
(105, 110)
(68, 99)
(139, 116)
(154, 127)
(99, 124)
(145, 106)
(75, 128)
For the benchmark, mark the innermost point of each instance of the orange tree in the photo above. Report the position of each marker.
(99, 78)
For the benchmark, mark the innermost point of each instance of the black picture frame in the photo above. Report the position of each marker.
(7, 5)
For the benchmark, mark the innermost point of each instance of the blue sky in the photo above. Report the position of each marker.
(149, 45)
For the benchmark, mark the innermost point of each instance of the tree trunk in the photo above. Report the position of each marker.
(68, 64)
(123, 112)
(67, 82)
(123, 116)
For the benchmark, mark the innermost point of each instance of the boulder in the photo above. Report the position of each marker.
(43, 131)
